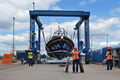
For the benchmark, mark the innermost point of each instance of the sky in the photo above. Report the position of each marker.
(104, 20)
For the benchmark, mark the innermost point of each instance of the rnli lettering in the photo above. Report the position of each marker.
(57, 46)
(66, 47)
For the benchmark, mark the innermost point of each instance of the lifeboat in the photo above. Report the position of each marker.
(59, 46)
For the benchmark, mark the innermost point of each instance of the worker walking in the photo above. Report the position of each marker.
(76, 56)
(30, 57)
(109, 58)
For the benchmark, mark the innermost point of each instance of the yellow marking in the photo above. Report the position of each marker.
(54, 41)
(59, 40)
(13, 68)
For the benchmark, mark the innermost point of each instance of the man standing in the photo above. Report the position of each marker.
(30, 57)
(109, 58)
(76, 56)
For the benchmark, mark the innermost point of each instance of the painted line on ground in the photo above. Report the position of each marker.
(13, 68)
(105, 66)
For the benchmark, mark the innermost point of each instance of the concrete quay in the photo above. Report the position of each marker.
(53, 72)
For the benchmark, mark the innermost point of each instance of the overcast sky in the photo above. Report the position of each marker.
(104, 19)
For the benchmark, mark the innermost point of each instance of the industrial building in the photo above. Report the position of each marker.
(23, 54)
(1, 57)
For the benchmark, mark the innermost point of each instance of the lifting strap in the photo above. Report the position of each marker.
(75, 37)
(46, 45)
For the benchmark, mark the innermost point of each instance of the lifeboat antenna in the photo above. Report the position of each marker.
(58, 28)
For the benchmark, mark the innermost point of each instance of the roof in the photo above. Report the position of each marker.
(20, 51)
(114, 47)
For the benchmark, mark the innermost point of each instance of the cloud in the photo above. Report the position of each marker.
(115, 34)
(20, 10)
(93, 18)
(82, 3)
(115, 12)
(92, 1)
(8, 39)
(52, 27)
(86, 2)
(98, 29)
(96, 45)
(113, 43)
(21, 41)
(56, 8)
(101, 27)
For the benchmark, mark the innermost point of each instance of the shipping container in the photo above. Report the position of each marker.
(96, 56)
(104, 51)
(100, 55)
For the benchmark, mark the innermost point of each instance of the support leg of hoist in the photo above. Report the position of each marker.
(67, 65)
(87, 60)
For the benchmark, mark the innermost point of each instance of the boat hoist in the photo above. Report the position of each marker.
(84, 17)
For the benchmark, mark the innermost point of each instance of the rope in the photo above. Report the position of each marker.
(73, 41)
(46, 45)
(68, 52)
(75, 37)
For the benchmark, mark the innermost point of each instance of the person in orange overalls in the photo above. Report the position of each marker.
(109, 58)
(76, 56)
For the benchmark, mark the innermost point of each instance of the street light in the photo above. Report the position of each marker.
(33, 6)
(107, 40)
(91, 42)
(13, 33)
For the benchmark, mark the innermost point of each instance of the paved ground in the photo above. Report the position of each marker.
(9, 66)
(53, 72)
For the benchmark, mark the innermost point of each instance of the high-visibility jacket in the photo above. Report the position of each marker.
(109, 56)
(30, 56)
(75, 55)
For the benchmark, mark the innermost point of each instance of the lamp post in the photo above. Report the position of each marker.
(107, 40)
(33, 6)
(91, 42)
(13, 33)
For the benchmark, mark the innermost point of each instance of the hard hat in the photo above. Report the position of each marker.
(75, 47)
(30, 49)
(109, 48)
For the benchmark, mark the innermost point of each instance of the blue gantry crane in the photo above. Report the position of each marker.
(34, 17)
